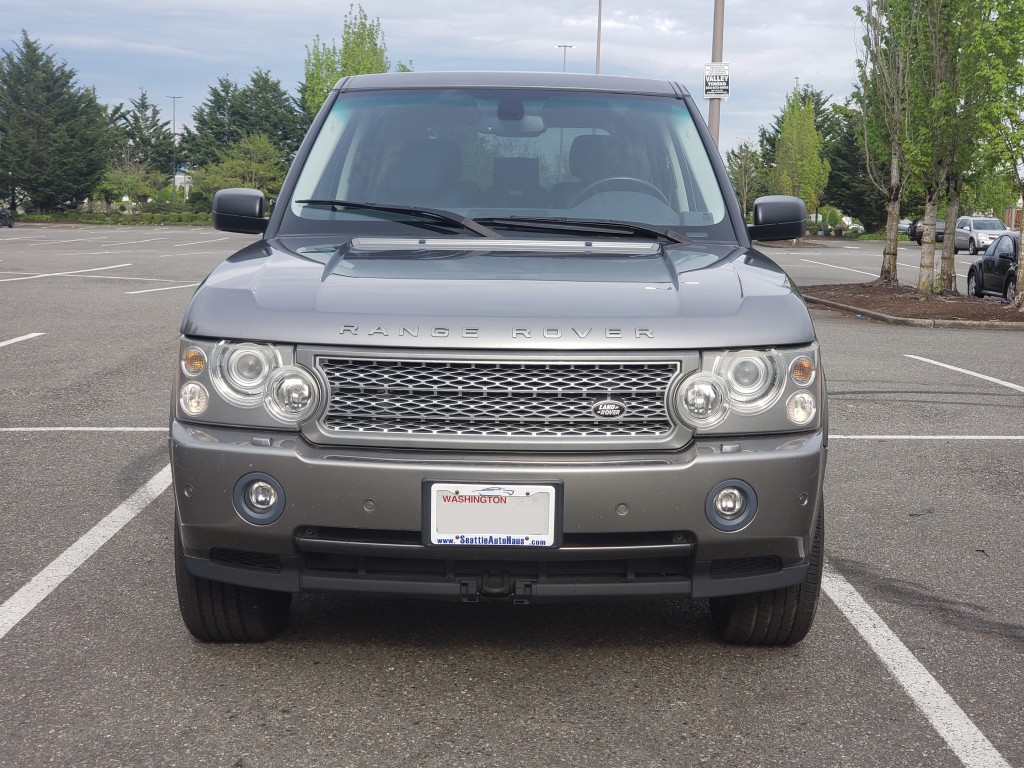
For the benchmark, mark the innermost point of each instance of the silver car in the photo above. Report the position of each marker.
(975, 233)
(504, 337)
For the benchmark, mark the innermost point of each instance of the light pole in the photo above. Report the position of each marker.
(174, 146)
(715, 107)
(597, 62)
(565, 49)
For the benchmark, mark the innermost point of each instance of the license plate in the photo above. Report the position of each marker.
(480, 515)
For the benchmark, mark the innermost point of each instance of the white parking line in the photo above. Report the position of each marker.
(61, 274)
(22, 602)
(949, 721)
(136, 242)
(969, 373)
(926, 437)
(26, 337)
(201, 242)
(833, 266)
(83, 429)
(168, 288)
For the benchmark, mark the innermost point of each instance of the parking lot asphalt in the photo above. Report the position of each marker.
(916, 657)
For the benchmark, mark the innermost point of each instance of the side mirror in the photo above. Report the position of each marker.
(239, 210)
(778, 217)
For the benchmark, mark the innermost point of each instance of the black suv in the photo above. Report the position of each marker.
(6, 219)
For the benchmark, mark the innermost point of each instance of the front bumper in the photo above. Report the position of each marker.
(633, 525)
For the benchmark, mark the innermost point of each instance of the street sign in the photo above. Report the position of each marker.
(716, 80)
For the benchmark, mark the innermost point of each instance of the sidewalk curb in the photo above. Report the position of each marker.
(996, 325)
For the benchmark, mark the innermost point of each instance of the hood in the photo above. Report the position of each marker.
(501, 294)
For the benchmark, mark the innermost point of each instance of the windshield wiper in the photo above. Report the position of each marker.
(433, 214)
(584, 226)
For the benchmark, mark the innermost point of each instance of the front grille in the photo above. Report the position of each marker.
(495, 400)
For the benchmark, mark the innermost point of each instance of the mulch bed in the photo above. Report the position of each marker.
(906, 302)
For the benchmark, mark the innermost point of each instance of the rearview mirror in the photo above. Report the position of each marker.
(528, 126)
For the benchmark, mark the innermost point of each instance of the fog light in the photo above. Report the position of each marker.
(731, 505)
(261, 495)
(258, 498)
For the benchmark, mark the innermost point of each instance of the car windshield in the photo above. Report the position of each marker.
(505, 154)
(992, 224)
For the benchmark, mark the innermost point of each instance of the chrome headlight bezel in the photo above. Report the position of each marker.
(759, 391)
(238, 383)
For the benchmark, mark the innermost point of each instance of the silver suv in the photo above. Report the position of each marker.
(503, 337)
(976, 233)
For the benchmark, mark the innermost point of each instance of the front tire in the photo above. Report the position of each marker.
(972, 248)
(215, 612)
(973, 289)
(780, 617)
(1010, 292)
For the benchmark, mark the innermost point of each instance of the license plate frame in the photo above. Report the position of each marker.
(515, 515)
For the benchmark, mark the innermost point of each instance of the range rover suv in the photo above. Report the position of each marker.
(503, 337)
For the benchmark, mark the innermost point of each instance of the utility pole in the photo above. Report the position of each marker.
(597, 63)
(715, 107)
(174, 146)
(565, 49)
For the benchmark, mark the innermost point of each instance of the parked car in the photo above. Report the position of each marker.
(995, 273)
(6, 219)
(916, 231)
(520, 378)
(975, 233)
(904, 226)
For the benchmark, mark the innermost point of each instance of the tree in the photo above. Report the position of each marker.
(800, 169)
(850, 187)
(144, 140)
(824, 122)
(1008, 135)
(959, 69)
(54, 136)
(747, 172)
(362, 51)
(231, 113)
(883, 70)
(253, 162)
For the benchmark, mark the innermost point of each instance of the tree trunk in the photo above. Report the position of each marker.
(926, 270)
(892, 222)
(945, 280)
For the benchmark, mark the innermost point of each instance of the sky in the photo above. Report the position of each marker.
(182, 47)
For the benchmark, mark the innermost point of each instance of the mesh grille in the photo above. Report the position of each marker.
(495, 399)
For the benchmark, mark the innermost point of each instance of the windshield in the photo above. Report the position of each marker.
(990, 224)
(497, 154)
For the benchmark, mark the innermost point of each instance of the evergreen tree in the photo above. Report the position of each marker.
(231, 113)
(54, 136)
(215, 126)
(849, 187)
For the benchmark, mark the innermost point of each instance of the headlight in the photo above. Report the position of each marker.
(704, 400)
(751, 392)
(292, 394)
(754, 379)
(244, 384)
(240, 371)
